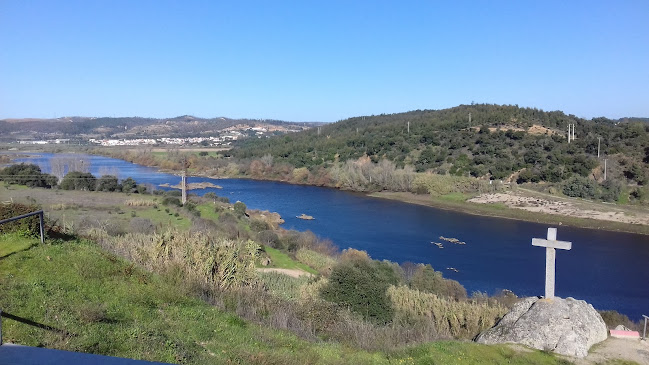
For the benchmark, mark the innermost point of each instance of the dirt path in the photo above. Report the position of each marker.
(617, 349)
(290, 272)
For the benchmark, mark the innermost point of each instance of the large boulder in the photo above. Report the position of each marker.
(565, 326)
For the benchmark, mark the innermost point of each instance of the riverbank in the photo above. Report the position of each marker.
(520, 204)
(530, 206)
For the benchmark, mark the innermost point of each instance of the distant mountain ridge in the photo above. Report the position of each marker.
(132, 127)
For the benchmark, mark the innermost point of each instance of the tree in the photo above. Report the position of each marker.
(240, 208)
(108, 183)
(129, 185)
(76, 180)
(27, 174)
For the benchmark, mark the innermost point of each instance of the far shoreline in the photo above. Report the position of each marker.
(499, 211)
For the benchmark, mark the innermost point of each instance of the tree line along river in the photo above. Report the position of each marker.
(607, 269)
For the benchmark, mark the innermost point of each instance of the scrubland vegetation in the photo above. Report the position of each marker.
(194, 295)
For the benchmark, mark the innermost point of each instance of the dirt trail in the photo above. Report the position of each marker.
(290, 272)
(617, 349)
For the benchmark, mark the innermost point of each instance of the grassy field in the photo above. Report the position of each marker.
(108, 306)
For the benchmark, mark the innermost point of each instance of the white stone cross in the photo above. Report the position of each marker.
(550, 245)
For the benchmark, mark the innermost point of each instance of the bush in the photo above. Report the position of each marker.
(426, 279)
(141, 225)
(170, 200)
(269, 238)
(322, 263)
(580, 187)
(240, 209)
(360, 284)
(29, 226)
(458, 319)
(257, 225)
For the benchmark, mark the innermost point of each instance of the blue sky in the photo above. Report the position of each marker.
(320, 60)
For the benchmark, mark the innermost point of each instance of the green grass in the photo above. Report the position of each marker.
(160, 216)
(12, 243)
(114, 308)
(283, 261)
(207, 211)
(456, 197)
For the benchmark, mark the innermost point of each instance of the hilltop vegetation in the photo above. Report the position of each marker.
(497, 142)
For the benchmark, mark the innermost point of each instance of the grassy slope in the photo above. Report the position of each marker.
(12, 243)
(116, 309)
(281, 260)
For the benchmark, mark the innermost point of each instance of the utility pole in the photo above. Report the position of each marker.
(568, 132)
(469, 120)
(605, 169)
(318, 130)
(573, 132)
(408, 127)
(183, 186)
(598, 143)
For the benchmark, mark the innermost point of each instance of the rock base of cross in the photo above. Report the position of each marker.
(566, 326)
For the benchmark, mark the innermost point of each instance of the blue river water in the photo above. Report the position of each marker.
(607, 269)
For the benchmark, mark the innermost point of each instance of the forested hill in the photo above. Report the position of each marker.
(494, 141)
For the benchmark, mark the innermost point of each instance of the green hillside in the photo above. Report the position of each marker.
(482, 140)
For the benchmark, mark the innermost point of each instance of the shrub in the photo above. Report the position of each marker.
(239, 209)
(426, 279)
(170, 200)
(269, 238)
(613, 319)
(196, 257)
(257, 225)
(29, 226)
(459, 319)
(141, 225)
(322, 263)
(580, 187)
(360, 284)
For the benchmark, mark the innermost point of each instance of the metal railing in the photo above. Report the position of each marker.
(39, 213)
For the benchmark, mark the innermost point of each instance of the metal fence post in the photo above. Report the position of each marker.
(644, 332)
(42, 221)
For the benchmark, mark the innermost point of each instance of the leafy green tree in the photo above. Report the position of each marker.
(129, 185)
(108, 183)
(27, 174)
(76, 180)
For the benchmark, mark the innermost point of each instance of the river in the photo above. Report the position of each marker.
(607, 269)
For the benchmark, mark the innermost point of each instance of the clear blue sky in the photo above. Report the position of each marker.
(320, 60)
